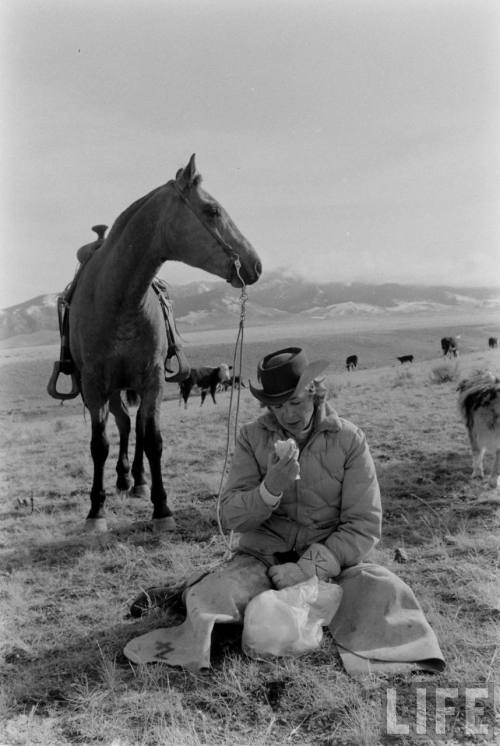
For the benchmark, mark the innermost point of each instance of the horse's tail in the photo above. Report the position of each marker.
(133, 398)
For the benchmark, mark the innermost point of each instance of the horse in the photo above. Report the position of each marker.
(479, 406)
(117, 332)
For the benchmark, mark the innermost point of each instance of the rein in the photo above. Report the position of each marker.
(237, 366)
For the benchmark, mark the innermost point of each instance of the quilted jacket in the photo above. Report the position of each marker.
(336, 501)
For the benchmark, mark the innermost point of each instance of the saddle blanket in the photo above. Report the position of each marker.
(379, 626)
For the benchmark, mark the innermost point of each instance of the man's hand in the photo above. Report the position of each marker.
(281, 473)
(285, 575)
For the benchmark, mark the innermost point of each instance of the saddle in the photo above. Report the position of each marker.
(66, 366)
(173, 337)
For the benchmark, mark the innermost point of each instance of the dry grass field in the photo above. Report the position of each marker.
(65, 595)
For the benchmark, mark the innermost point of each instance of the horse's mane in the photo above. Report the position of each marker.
(479, 390)
(124, 217)
(129, 212)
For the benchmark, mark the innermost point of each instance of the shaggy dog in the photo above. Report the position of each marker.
(479, 405)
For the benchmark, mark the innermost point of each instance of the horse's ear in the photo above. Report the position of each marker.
(186, 176)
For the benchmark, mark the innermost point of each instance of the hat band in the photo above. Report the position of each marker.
(279, 395)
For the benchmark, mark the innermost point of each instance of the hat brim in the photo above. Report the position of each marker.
(311, 372)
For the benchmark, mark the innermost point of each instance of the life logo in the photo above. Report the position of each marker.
(453, 711)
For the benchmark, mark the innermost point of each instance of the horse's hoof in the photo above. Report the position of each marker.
(160, 525)
(96, 525)
(140, 490)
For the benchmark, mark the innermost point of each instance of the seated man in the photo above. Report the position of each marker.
(308, 507)
(319, 504)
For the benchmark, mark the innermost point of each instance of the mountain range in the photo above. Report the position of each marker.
(213, 304)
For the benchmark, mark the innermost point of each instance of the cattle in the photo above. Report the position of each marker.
(479, 406)
(405, 359)
(206, 379)
(449, 346)
(351, 362)
(236, 382)
(492, 342)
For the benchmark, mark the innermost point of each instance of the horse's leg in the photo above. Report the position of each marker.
(495, 470)
(141, 486)
(203, 396)
(186, 387)
(99, 448)
(149, 412)
(119, 410)
(477, 454)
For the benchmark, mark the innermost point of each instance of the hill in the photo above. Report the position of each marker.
(277, 298)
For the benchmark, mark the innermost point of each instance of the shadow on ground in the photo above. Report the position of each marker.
(192, 525)
(429, 495)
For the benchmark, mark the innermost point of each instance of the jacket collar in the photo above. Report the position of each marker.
(326, 419)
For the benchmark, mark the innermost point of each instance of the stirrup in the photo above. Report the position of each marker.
(65, 367)
(183, 370)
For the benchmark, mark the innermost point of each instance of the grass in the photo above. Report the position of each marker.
(445, 373)
(65, 595)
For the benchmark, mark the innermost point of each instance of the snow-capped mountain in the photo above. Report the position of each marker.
(276, 297)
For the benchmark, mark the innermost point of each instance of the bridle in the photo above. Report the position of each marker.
(227, 248)
(174, 348)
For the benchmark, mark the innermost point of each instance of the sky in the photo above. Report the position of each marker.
(349, 140)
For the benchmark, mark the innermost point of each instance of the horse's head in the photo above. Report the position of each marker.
(204, 234)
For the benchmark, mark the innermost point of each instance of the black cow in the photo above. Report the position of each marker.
(206, 379)
(351, 362)
(405, 359)
(449, 346)
(492, 342)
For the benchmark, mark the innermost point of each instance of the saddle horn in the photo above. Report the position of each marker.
(100, 230)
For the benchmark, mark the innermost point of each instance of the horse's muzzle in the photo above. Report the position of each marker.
(245, 275)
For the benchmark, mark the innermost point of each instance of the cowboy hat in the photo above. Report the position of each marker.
(285, 373)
